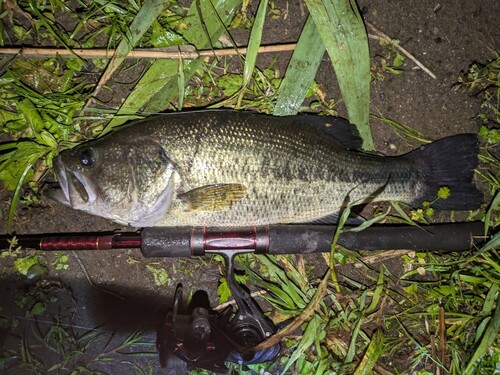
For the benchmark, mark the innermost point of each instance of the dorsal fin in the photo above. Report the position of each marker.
(339, 128)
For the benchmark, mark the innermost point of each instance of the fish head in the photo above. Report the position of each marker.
(128, 181)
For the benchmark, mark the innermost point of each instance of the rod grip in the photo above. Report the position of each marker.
(158, 242)
(294, 239)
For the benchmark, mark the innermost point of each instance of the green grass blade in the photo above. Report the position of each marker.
(403, 214)
(493, 243)
(312, 330)
(31, 114)
(148, 13)
(343, 33)
(495, 204)
(377, 293)
(50, 26)
(15, 198)
(373, 352)
(216, 16)
(368, 223)
(163, 73)
(160, 84)
(301, 71)
(351, 352)
(254, 42)
(488, 339)
(181, 83)
(405, 132)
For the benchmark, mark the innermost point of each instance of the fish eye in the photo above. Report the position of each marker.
(87, 157)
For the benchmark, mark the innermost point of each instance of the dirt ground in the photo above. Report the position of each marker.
(115, 289)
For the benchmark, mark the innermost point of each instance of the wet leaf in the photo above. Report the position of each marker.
(37, 309)
(160, 275)
(31, 115)
(161, 37)
(148, 13)
(22, 265)
(254, 42)
(223, 290)
(343, 33)
(373, 352)
(301, 70)
(487, 340)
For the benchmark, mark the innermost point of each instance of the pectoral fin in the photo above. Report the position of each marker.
(219, 197)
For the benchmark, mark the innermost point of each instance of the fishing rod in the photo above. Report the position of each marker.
(194, 334)
(180, 242)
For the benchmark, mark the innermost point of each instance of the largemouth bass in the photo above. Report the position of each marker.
(231, 168)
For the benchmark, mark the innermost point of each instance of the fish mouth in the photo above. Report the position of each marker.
(76, 189)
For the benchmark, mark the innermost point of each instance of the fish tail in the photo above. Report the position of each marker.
(449, 162)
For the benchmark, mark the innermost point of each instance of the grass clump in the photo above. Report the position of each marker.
(38, 113)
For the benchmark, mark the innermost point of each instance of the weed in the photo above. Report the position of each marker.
(40, 120)
(407, 133)
(51, 342)
(61, 261)
(160, 275)
(391, 62)
(484, 80)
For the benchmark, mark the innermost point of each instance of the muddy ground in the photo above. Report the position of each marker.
(115, 289)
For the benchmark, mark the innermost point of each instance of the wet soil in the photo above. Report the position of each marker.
(116, 288)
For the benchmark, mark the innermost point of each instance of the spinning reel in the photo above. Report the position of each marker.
(203, 338)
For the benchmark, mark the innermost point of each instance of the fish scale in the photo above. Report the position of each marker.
(295, 177)
(227, 168)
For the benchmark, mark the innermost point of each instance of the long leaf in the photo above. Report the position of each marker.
(254, 42)
(159, 75)
(368, 223)
(15, 198)
(216, 16)
(377, 293)
(352, 345)
(495, 204)
(372, 354)
(489, 336)
(159, 85)
(301, 71)
(343, 33)
(305, 342)
(149, 12)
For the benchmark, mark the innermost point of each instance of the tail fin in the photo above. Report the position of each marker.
(449, 162)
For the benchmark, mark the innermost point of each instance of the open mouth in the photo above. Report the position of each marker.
(75, 188)
(81, 190)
